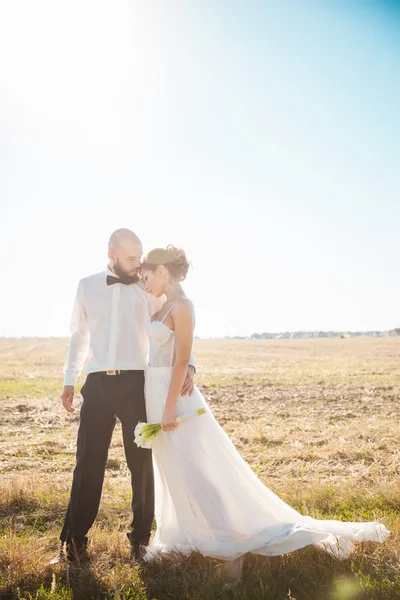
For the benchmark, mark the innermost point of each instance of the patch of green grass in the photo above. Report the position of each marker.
(44, 594)
(327, 502)
(29, 388)
(378, 578)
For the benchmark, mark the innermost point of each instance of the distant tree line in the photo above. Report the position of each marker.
(290, 335)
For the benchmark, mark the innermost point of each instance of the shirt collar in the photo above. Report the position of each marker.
(109, 272)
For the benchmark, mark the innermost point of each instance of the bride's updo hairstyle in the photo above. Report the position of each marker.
(173, 259)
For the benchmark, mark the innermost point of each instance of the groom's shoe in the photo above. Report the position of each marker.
(60, 557)
(77, 550)
(138, 552)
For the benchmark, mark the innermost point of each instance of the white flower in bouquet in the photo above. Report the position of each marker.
(145, 433)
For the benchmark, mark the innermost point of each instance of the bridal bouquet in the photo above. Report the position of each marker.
(145, 433)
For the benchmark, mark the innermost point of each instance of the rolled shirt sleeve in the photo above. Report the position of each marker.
(79, 341)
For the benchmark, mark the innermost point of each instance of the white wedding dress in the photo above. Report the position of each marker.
(207, 498)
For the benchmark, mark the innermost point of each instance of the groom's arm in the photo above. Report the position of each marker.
(78, 348)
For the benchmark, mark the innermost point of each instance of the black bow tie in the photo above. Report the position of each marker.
(111, 280)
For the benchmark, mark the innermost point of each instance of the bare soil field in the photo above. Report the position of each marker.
(317, 420)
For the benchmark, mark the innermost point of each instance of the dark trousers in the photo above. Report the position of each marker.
(106, 397)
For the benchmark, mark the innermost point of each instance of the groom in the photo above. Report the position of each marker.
(108, 327)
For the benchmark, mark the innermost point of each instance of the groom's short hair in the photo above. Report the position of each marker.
(122, 235)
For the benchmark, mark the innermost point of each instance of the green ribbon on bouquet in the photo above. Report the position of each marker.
(145, 433)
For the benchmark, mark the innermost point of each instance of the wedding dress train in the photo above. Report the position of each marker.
(207, 497)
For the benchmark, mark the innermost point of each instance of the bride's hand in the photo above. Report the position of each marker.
(169, 419)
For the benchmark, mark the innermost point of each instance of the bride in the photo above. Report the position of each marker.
(207, 497)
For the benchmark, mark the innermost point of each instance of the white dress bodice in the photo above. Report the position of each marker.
(162, 344)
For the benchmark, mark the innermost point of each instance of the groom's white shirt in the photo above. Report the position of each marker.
(109, 325)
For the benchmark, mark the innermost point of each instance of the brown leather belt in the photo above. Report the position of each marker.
(117, 372)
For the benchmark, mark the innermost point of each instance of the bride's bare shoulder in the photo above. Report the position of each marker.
(185, 303)
(184, 307)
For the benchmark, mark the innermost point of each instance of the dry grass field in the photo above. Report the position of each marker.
(317, 420)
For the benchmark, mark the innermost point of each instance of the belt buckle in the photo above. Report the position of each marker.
(112, 372)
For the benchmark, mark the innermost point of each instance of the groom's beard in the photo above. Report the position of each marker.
(127, 277)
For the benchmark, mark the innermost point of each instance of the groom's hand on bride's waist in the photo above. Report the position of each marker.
(188, 384)
(67, 398)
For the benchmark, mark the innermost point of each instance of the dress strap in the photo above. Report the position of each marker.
(169, 310)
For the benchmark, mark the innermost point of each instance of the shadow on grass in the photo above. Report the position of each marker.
(72, 583)
(30, 514)
(308, 574)
(304, 575)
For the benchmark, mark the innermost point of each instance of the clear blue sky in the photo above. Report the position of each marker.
(261, 136)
